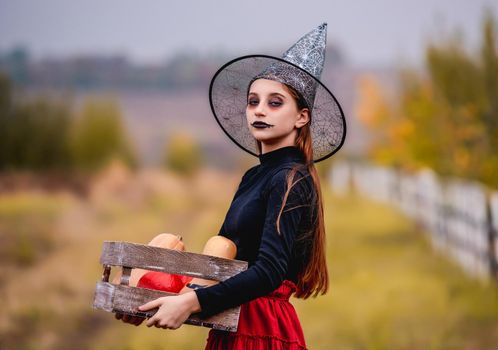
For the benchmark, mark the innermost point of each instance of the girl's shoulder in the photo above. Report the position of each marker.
(300, 178)
(249, 172)
(276, 178)
(299, 170)
(278, 171)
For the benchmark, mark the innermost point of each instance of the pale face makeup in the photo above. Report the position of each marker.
(272, 115)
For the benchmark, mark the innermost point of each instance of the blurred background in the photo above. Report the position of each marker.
(106, 134)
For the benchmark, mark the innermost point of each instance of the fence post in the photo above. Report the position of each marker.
(340, 178)
(492, 211)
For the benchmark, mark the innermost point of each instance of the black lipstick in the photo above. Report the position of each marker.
(261, 125)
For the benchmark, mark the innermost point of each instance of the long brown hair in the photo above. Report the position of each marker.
(313, 279)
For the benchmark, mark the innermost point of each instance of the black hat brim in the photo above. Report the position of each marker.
(228, 101)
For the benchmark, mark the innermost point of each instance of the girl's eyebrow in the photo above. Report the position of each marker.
(271, 94)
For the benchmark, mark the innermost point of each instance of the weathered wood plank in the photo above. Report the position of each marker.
(106, 274)
(125, 299)
(171, 261)
(125, 276)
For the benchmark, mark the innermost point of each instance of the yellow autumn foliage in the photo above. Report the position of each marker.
(445, 119)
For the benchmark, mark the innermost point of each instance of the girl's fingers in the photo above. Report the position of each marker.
(137, 320)
(150, 305)
(156, 322)
(151, 321)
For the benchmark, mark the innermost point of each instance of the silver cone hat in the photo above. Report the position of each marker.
(299, 67)
(308, 53)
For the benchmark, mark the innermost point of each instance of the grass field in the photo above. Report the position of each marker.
(388, 289)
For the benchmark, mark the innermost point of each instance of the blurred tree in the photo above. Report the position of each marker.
(38, 136)
(5, 95)
(489, 57)
(17, 64)
(33, 134)
(182, 154)
(446, 119)
(466, 89)
(458, 88)
(374, 112)
(5, 110)
(98, 136)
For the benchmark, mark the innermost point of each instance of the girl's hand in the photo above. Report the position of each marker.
(173, 310)
(135, 320)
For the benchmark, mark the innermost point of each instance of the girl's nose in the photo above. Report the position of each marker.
(260, 110)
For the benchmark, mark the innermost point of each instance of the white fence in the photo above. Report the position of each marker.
(460, 217)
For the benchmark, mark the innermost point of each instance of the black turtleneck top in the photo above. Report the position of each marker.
(251, 224)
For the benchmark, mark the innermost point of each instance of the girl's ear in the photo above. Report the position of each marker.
(303, 118)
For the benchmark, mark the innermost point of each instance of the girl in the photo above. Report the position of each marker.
(277, 110)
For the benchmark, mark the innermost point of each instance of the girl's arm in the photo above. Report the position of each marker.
(275, 251)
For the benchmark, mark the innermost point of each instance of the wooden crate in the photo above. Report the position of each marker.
(126, 299)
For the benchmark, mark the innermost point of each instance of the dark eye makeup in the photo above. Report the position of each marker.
(272, 103)
(252, 102)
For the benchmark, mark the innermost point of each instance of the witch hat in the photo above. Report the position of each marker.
(299, 67)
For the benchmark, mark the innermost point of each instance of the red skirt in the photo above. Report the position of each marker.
(268, 322)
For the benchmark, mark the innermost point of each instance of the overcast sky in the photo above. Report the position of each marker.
(368, 31)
